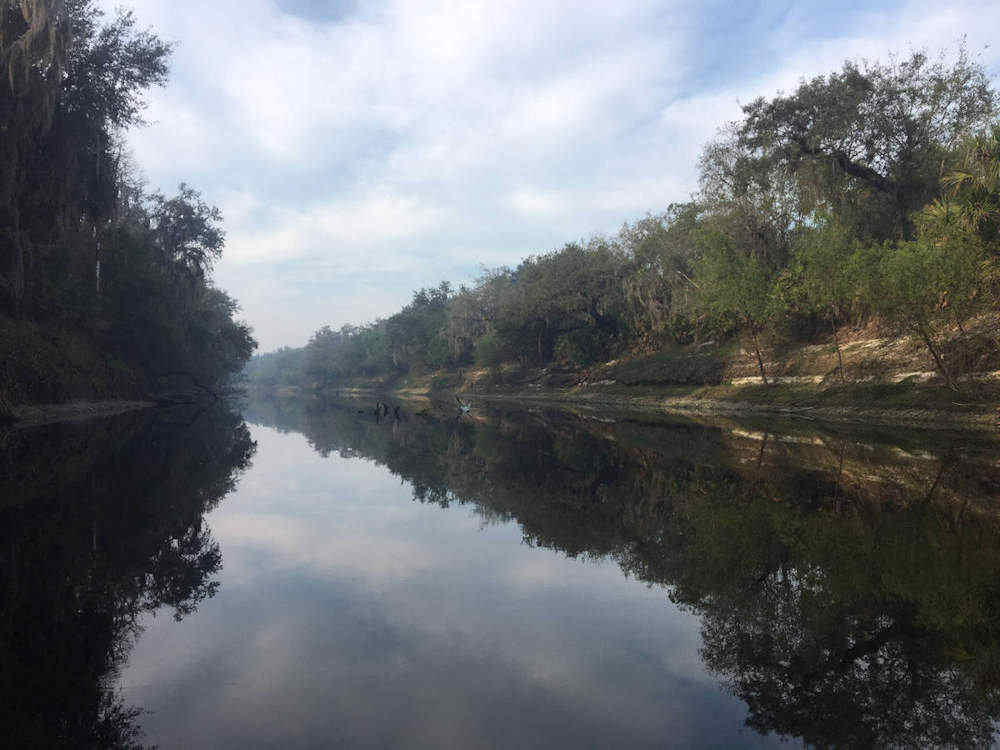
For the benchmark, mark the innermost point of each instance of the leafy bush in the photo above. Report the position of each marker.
(579, 347)
(437, 355)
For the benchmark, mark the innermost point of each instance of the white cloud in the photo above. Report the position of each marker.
(340, 231)
(533, 204)
(347, 550)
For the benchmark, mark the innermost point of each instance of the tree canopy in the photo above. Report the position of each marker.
(83, 246)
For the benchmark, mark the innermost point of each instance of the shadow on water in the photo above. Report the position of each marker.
(848, 584)
(101, 522)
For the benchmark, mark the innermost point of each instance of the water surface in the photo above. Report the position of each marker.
(325, 577)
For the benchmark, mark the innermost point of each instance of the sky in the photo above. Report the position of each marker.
(361, 150)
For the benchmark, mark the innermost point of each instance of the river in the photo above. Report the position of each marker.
(303, 575)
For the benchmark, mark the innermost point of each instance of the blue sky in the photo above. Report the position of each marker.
(360, 150)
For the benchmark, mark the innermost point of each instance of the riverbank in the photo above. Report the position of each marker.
(981, 418)
(916, 402)
(875, 380)
(34, 415)
(53, 368)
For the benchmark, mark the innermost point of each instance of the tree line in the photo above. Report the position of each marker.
(95, 269)
(872, 192)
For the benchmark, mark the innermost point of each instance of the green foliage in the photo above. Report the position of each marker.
(412, 330)
(658, 289)
(737, 286)
(437, 353)
(822, 278)
(949, 273)
(82, 247)
(577, 348)
(472, 312)
(866, 141)
(975, 190)
(576, 288)
(927, 282)
(734, 285)
(488, 352)
(922, 281)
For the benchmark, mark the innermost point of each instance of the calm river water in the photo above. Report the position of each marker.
(310, 575)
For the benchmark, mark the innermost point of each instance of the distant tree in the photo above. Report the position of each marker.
(321, 356)
(572, 292)
(276, 369)
(412, 330)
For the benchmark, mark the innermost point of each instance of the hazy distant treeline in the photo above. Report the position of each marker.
(871, 191)
(104, 286)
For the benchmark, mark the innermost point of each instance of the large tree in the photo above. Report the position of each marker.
(868, 141)
(68, 86)
(33, 47)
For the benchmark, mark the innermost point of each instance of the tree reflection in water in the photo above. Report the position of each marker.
(847, 584)
(99, 523)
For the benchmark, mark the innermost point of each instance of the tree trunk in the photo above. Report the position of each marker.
(760, 358)
(840, 355)
(925, 335)
(840, 475)
(18, 282)
(966, 353)
(15, 282)
(763, 446)
(937, 481)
